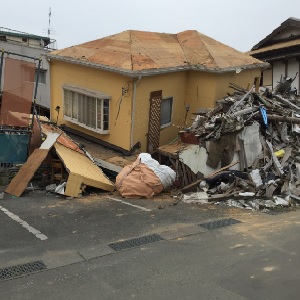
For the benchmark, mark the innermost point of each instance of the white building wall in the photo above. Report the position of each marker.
(293, 68)
(278, 71)
(43, 91)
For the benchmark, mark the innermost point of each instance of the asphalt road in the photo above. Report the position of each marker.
(257, 258)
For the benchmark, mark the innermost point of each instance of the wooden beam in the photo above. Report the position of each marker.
(208, 176)
(280, 119)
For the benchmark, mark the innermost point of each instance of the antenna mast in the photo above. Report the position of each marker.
(49, 21)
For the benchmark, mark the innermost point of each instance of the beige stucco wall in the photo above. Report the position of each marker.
(172, 85)
(244, 79)
(204, 88)
(201, 90)
(267, 77)
(196, 89)
(95, 79)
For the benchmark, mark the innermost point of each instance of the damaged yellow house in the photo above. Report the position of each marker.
(138, 88)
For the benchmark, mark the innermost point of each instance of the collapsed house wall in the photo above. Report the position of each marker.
(195, 156)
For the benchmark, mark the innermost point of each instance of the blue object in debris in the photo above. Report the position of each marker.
(264, 115)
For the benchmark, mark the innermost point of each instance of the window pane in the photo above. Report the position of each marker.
(87, 110)
(80, 108)
(166, 111)
(67, 103)
(91, 112)
(74, 105)
(99, 113)
(105, 114)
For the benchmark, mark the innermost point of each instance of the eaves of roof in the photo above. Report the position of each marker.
(283, 25)
(282, 45)
(151, 72)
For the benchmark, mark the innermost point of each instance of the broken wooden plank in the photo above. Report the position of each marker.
(186, 188)
(287, 102)
(20, 182)
(270, 190)
(275, 159)
(77, 163)
(286, 156)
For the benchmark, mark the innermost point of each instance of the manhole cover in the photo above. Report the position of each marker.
(219, 223)
(16, 271)
(143, 240)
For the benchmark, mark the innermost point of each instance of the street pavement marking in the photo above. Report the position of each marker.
(124, 202)
(24, 224)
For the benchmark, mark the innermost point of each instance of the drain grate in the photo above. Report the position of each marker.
(16, 271)
(219, 223)
(143, 240)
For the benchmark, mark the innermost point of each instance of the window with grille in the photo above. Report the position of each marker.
(166, 112)
(86, 111)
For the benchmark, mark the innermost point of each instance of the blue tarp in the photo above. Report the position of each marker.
(13, 148)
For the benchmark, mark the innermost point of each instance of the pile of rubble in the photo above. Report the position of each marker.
(252, 141)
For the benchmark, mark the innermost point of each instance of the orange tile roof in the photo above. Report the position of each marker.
(136, 51)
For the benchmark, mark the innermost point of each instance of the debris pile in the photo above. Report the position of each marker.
(252, 143)
(71, 166)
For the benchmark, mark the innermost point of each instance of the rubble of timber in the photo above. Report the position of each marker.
(251, 146)
(245, 152)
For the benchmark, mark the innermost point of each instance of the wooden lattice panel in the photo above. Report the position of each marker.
(154, 121)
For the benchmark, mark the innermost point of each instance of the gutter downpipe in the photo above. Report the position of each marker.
(133, 109)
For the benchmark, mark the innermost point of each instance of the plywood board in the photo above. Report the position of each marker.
(73, 187)
(79, 164)
(19, 183)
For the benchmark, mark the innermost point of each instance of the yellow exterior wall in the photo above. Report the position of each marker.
(194, 88)
(204, 88)
(201, 90)
(107, 82)
(172, 85)
(244, 79)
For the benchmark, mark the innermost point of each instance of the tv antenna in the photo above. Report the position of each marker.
(49, 15)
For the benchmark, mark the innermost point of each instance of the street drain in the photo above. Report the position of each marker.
(16, 271)
(219, 223)
(143, 240)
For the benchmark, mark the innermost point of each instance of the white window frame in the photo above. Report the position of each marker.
(75, 114)
(171, 112)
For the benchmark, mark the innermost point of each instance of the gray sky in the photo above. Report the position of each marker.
(238, 23)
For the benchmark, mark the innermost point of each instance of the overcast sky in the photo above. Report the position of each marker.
(238, 23)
